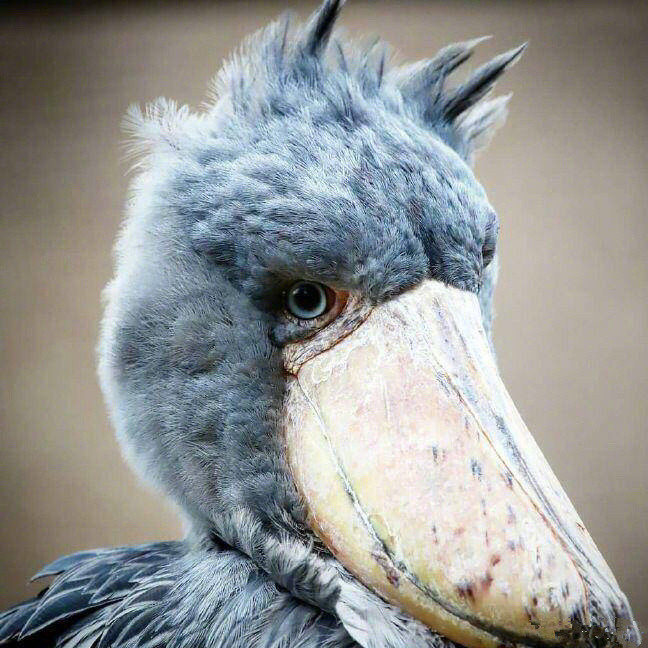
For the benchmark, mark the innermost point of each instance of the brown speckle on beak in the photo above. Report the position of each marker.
(401, 436)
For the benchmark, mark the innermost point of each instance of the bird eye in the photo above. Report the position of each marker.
(307, 300)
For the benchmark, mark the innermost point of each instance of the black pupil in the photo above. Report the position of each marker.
(307, 297)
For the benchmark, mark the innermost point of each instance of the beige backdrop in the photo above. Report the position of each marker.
(567, 175)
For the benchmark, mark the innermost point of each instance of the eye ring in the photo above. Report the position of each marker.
(307, 300)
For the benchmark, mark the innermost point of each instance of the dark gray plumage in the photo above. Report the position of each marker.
(162, 596)
(311, 162)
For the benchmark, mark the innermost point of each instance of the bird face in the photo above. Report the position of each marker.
(297, 349)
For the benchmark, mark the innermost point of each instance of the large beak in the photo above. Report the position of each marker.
(422, 479)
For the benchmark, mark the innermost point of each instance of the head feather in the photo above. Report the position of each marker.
(477, 127)
(416, 80)
(319, 29)
(479, 84)
(286, 69)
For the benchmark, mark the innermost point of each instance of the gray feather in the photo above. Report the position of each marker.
(423, 81)
(318, 32)
(192, 599)
(480, 83)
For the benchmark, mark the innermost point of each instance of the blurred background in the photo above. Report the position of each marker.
(568, 176)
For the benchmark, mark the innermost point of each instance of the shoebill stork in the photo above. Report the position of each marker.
(296, 349)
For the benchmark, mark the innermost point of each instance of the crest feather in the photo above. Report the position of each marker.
(320, 27)
(162, 126)
(479, 84)
(285, 69)
(417, 79)
(477, 126)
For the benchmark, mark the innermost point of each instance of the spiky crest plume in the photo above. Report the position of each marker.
(283, 69)
(286, 69)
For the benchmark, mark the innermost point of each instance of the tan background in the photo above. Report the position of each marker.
(567, 175)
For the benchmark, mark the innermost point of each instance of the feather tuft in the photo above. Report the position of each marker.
(478, 125)
(320, 27)
(417, 80)
(479, 84)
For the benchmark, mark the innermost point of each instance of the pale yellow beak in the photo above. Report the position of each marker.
(422, 479)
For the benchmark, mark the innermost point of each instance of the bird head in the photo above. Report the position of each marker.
(296, 347)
